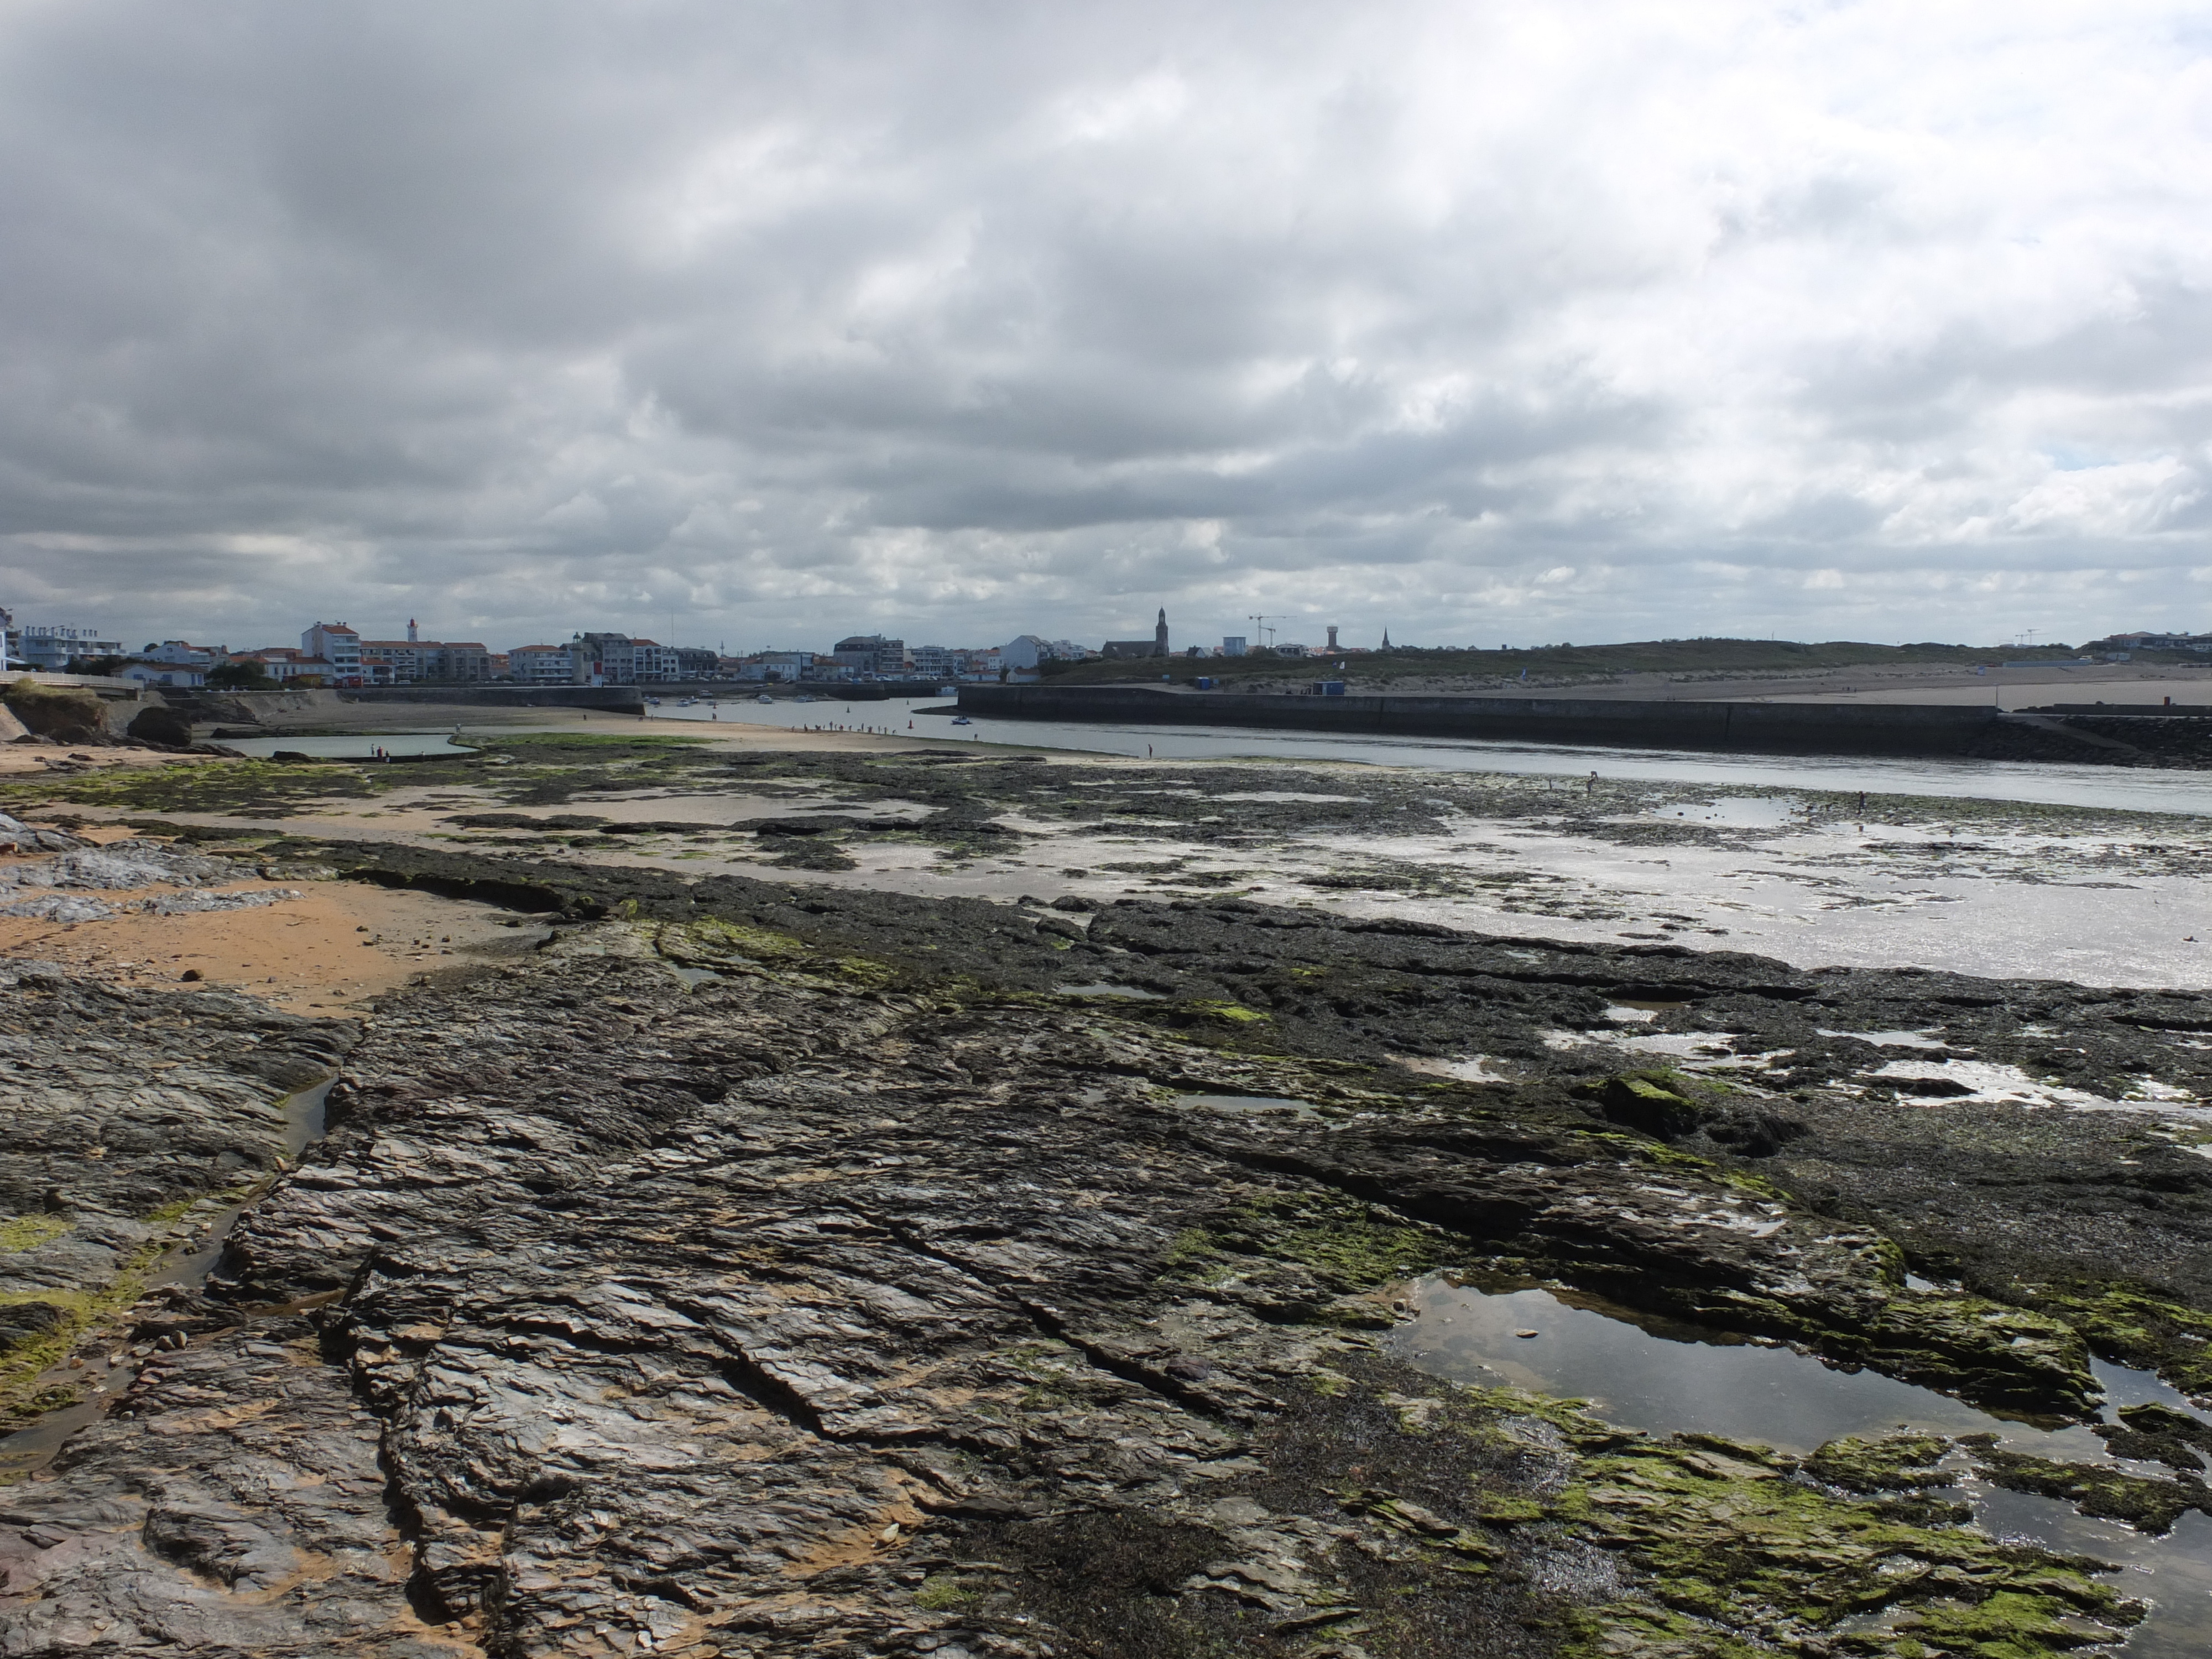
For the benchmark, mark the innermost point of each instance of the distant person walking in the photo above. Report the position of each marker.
(1593, 784)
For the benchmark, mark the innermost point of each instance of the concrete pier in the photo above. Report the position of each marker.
(1776, 728)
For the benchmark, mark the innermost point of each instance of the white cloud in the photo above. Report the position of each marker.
(970, 320)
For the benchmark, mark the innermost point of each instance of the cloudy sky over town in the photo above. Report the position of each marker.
(764, 323)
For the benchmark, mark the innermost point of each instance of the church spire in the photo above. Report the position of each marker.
(1160, 635)
(1386, 639)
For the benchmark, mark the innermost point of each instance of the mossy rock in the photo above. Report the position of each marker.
(2147, 1505)
(1896, 1463)
(1641, 1102)
(26, 1323)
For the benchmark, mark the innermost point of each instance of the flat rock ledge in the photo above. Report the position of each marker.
(690, 1289)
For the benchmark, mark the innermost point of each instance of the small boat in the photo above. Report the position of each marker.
(652, 702)
(689, 702)
(763, 697)
(962, 720)
(808, 696)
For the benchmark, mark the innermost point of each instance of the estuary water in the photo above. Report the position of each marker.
(2122, 788)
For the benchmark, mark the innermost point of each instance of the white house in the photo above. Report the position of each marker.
(179, 676)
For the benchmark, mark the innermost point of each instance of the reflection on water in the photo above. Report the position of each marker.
(2127, 789)
(2174, 1574)
(1658, 1375)
(1650, 1373)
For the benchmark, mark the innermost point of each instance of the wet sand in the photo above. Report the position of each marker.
(331, 949)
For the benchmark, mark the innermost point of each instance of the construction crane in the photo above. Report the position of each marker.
(1267, 634)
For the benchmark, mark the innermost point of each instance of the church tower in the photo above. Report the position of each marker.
(1160, 635)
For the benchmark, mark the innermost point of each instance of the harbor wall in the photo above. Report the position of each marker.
(626, 699)
(1789, 728)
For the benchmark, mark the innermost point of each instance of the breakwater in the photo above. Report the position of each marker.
(1793, 728)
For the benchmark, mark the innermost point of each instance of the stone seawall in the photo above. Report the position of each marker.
(1757, 727)
(628, 699)
(279, 710)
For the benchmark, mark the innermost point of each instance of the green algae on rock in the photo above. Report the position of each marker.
(2147, 1505)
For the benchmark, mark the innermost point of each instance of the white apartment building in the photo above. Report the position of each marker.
(48, 648)
(870, 654)
(414, 658)
(541, 665)
(339, 646)
(651, 661)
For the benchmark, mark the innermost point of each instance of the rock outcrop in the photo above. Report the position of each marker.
(713, 1286)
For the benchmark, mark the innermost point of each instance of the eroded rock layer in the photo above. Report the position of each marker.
(764, 1277)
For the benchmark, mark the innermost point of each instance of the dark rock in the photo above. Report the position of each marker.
(28, 1321)
(158, 723)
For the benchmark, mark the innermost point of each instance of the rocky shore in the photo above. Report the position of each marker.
(746, 1259)
(772, 1268)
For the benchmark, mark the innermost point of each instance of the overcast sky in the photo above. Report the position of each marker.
(1486, 322)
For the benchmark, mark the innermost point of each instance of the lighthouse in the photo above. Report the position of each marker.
(1160, 635)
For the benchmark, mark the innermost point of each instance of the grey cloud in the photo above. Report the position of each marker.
(973, 318)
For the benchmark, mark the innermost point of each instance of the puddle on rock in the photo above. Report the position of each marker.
(1250, 1105)
(1103, 989)
(1736, 811)
(1702, 1051)
(1476, 1068)
(1979, 1080)
(1647, 1373)
(1635, 1010)
(1889, 1039)
(187, 1263)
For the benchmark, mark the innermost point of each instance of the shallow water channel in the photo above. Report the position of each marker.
(357, 746)
(188, 1264)
(1650, 1373)
(2116, 788)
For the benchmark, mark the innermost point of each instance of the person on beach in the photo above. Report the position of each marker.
(1593, 783)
